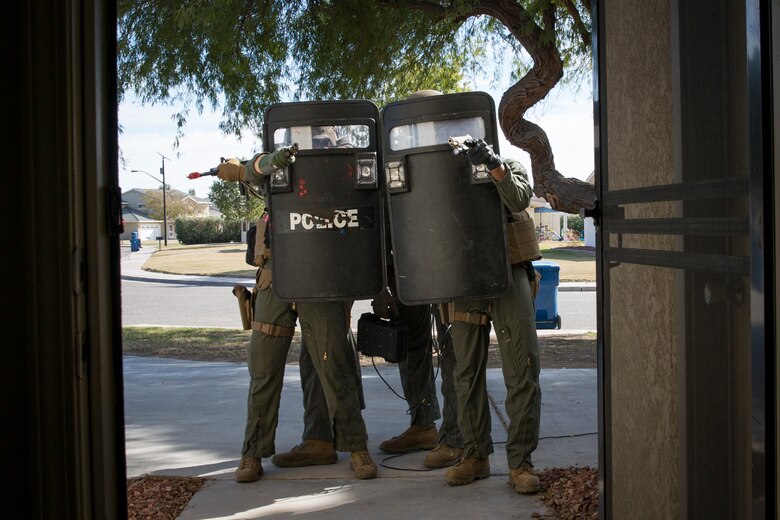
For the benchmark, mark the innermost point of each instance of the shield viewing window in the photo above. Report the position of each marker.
(323, 137)
(431, 133)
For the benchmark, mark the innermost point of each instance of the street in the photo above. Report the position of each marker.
(175, 304)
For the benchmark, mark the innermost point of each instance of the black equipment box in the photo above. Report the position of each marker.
(383, 338)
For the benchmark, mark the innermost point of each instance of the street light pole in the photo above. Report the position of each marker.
(165, 212)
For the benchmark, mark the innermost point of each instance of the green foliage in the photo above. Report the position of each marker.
(207, 230)
(243, 55)
(227, 197)
(176, 205)
(576, 223)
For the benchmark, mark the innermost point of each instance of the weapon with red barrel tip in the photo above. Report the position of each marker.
(211, 172)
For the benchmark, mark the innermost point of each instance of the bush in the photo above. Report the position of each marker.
(576, 223)
(207, 230)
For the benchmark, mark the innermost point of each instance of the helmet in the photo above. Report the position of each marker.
(323, 137)
(424, 93)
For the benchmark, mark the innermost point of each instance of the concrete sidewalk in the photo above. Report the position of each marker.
(187, 418)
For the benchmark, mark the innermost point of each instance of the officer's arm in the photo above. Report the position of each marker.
(511, 180)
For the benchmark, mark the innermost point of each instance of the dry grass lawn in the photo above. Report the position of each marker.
(229, 260)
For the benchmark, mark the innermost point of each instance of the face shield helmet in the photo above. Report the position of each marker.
(323, 137)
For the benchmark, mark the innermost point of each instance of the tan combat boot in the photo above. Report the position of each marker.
(249, 469)
(362, 465)
(414, 438)
(467, 471)
(443, 456)
(307, 453)
(524, 480)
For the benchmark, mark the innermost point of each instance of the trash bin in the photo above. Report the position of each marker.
(135, 242)
(546, 301)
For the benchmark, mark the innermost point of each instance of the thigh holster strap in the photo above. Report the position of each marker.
(273, 330)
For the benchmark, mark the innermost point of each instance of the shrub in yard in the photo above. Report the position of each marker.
(208, 230)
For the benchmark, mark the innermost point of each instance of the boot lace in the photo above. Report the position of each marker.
(245, 463)
(363, 458)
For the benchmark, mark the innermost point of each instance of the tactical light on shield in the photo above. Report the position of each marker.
(479, 174)
(396, 177)
(366, 177)
(280, 180)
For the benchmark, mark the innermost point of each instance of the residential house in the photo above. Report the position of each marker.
(136, 216)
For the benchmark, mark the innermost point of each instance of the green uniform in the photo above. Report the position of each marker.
(514, 321)
(324, 330)
(316, 420)
(449, 431)
(417, 380)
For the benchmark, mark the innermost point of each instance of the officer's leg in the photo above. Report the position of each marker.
(449, 432)
(355, 360)
(470, 344)
(416, 370)
(418, 381)
(449, 450)
(317, 445)
(316, 420)
(266, 357)
(515, 324)
(325, 332)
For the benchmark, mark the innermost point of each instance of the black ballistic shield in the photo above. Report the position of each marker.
(326, 217)
(447, 222)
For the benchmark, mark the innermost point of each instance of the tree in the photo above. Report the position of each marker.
(175, 206)
(245, 54)
(234, 206)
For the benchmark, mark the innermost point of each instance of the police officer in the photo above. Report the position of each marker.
(513, 318)
(324, 327)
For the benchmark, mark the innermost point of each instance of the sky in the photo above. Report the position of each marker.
(149, 132)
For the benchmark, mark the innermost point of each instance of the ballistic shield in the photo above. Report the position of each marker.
(326, 219)
(447, 222)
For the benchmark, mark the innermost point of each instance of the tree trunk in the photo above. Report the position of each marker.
(564, 194)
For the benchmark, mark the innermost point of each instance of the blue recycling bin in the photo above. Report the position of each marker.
(135, 242)
(546, 301)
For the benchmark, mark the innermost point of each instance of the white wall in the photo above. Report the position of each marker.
(590, 232)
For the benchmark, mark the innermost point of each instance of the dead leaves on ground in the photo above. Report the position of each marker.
(159, 498)
(572, 493)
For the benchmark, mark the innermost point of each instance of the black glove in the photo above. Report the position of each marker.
(481, 153)
(384, 305)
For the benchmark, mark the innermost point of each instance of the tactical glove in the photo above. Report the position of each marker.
(231, 170)
(481, 153)
(384, 305)
(280, 158)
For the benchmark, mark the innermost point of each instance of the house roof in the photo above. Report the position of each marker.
(174, 192)
(131, 215)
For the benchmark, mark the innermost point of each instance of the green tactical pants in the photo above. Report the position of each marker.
(417, 380)
(324, 329)
(416, 370)
(316, 419)
(514, 321)
(449, 431)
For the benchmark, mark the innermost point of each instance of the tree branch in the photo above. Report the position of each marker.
(564, 194)
(578, 23)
